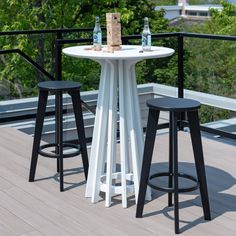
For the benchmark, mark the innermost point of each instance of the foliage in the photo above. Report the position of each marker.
(43, 14)
(223, 22)
(165, 2)
(208, 114)
(210, 66)
(214, 59)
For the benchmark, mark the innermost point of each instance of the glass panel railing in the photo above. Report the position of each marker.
(210, 69)
(208, 65)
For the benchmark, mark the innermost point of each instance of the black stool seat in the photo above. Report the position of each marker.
(173, 104)
(59, 146)
(59, 85)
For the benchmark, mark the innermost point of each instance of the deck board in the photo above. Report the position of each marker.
(34, 209)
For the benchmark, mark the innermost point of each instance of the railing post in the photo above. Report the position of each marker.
(58, 66)
(180, 66)
(125, 41)
(181, 75)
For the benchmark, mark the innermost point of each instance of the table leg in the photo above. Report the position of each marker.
(132, 128)
(99, 139)
(136, 109)
(112, 128)
(138, 124)
(123, 133)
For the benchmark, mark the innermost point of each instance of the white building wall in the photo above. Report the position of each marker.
(185, 10)
(171, 12)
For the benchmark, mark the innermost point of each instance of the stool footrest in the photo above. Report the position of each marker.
(117, 188)
(51, 154)
(171, 190)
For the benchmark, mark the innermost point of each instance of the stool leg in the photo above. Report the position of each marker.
(174, 135)
(57, 152)
(199, 160)
(59, 132)
(57, 135)
(153, 117)
(75, 96)
(57, 138)
(42, 103)
(170, 181)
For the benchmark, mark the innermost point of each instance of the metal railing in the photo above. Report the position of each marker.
(59, 34)
(61, 41)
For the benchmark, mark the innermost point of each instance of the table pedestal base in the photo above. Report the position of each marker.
(117, 78)
(116, 187)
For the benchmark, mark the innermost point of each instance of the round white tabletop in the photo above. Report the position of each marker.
(128, 52)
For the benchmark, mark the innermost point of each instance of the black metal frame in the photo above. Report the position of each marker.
(58, 72)
(59, 42)
(29, 60)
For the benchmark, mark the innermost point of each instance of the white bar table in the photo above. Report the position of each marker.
(117, 82)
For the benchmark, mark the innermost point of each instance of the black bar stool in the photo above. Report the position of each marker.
(58, 87)
(175, 106)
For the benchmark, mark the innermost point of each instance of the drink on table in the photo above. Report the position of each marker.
(146, 36)
(97, 35)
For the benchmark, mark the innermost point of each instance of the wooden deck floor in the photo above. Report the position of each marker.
(39, 208)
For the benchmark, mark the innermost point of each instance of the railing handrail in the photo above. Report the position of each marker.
(172, 34)
(60, 42)
(46, 31)
(209, 36)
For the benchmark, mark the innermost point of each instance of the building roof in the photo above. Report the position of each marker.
(206, 7)
(169, 8)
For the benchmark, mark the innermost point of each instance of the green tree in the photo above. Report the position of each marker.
(42, 14)
(165, 2)
(210, 66)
